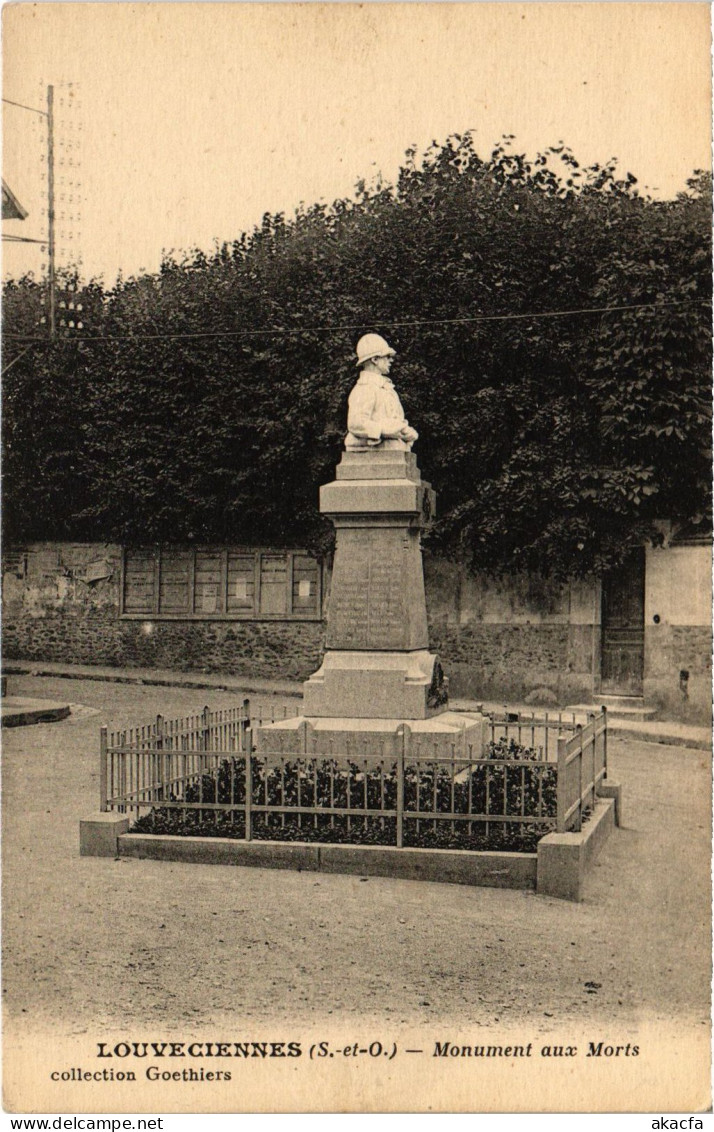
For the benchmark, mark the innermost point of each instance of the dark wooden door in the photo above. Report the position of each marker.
(623, 628)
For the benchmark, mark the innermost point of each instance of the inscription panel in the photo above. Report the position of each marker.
(369, 606)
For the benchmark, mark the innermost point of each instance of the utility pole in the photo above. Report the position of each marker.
(52, 286)
(51, 239)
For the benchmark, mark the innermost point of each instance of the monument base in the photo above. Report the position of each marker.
(376, 685)
(449, 735)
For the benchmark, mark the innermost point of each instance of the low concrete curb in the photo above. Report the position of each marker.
(142, 676)
(99, 834)
(610, 789)
(21, 712)
(667, 737)
(447, 866)
(220, 851)
(564, 858)
(667, 733)
(558, 868)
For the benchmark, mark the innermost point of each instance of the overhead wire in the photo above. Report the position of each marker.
(22, 106)
(22, 239)
(278, 332)
(15, 359)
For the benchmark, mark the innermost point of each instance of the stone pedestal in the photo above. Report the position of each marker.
(375, 685)
(378, 673)
(456, 735)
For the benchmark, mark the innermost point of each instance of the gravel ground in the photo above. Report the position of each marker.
(121, 944)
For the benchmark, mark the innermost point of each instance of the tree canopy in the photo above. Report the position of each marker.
(207, 402)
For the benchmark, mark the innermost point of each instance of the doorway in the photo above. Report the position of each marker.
(623, 628)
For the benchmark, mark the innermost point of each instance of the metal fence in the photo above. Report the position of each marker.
(582, 766)
(539, 733)
(201, 772)
(140, 765)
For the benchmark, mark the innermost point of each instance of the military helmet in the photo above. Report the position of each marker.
(372, 346)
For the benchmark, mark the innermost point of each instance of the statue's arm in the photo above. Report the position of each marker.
(361, 420)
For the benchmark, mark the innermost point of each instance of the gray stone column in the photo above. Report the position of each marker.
(378, 682)
(377, 663)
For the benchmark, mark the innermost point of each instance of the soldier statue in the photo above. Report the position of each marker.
(375, 413)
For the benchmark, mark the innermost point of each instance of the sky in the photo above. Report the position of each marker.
(192, 120)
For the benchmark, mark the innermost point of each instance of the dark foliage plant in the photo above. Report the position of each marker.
(521, 786)
(207, 402)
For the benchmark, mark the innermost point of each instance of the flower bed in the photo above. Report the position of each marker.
(490, 789)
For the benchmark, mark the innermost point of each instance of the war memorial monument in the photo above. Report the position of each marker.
(378, 684)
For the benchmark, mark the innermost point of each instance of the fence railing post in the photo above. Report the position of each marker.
(604, 739)
(302, 731)
(121, 772)
(162, 759)
(561, 788)
(402, 747)
(244, 725)
(248, 795)
(594, 754)
(103, 770)
(581, 756)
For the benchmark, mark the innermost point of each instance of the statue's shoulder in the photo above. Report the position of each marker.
(368, 377)
(365, 381)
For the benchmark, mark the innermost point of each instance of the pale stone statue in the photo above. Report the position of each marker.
(375, 413)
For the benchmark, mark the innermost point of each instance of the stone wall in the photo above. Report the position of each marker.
(518, 638)
(513, 639)
(678, 637)
(54, 613)
(503, 639)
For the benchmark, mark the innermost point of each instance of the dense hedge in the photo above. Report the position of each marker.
(553, 442)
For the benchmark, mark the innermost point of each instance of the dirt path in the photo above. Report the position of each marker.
(96, 942)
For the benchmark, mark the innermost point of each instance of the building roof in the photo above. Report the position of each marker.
(694, 533)
(11, 207)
